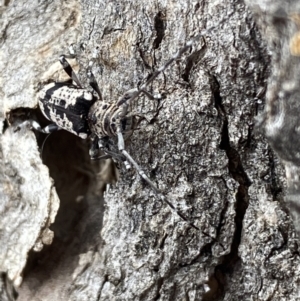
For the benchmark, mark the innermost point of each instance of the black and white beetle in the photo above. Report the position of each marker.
(79, 111)
(75, 109)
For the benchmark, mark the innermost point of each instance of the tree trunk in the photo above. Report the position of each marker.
(198, 144)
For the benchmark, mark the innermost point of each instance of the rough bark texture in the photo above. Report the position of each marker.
(197, 144)
(280, 26)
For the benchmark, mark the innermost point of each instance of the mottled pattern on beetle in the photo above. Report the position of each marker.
(103, 117)
(103, 120)
(67, 106)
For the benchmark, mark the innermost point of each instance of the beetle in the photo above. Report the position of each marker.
(72, 107)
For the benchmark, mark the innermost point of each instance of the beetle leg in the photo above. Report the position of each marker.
(69, 70)
(101, 144)
(94, 149)
(93, 83)
(35, 125)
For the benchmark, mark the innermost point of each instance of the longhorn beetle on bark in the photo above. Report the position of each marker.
(75, 109)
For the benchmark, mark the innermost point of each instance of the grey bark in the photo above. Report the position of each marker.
(198, 145)
(280, 26)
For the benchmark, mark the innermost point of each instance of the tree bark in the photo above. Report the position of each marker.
(198, 144)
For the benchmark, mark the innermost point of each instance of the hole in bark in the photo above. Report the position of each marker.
(67, 157)
(79, 218)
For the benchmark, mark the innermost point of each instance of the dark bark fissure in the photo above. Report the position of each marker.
(219, 279)
(159, 26)
(192, 59)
